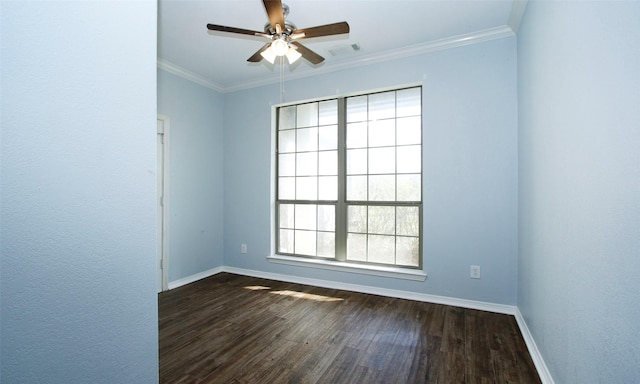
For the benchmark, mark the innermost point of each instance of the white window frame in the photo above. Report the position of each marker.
(401, 272)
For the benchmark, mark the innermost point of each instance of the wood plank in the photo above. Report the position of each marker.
(479, 368)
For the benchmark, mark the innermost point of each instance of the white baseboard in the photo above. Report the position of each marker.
(471, 304)
(193, 278)
(538, 361)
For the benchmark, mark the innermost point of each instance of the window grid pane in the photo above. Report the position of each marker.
(394, 147)
(384, 234)
(307, 229)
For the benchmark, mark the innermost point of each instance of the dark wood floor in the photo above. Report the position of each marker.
(237, 329)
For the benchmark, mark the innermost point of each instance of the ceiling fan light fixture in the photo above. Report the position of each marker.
(268, 55)
(293, 55)
(279, 47)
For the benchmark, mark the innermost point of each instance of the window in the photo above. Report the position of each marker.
(349, 179)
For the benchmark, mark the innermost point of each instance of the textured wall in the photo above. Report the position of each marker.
(78, 192)
(470, 168)
(579, 187)
(195, 174)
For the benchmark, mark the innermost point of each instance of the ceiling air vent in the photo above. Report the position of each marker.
(344, 49)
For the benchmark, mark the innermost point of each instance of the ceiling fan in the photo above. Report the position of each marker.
(283, 35)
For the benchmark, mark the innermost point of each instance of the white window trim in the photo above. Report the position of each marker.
(341, 266)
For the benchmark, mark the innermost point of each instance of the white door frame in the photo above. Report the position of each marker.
(163, 203)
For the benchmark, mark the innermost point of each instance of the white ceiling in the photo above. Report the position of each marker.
(382, 29)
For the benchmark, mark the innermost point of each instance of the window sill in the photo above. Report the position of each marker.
(398, 273)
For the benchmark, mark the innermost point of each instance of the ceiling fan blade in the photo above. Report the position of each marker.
(275, 13)
(257, 57)
(308, 54)
(222, 28)
(323, 30)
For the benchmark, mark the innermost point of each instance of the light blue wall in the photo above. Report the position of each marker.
(470, 168)
(195, 174)
(579, 183)
(79, 302)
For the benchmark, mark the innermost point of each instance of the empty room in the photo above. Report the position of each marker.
(320, 191)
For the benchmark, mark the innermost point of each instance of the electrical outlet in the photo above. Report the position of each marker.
(475, 271)
(243, 248)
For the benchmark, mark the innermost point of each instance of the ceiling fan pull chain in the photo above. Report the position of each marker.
(281, 80)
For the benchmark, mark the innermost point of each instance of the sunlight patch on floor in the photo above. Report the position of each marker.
(307, 296)
(256, 288)
(299, 295)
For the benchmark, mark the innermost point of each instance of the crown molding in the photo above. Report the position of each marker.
(400, 53)
(517, 13)
(188, 75)
(432, 46)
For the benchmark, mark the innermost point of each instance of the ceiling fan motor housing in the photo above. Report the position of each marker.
(289, 27)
